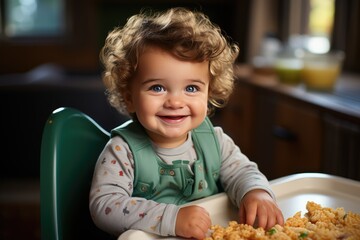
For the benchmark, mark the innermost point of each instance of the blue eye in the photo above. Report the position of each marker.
(157, 88)
(191, 88)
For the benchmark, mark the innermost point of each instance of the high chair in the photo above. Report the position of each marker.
(71, 144)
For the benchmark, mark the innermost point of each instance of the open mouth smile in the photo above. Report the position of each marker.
(173, 119)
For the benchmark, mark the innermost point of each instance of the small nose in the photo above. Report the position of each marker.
(174, 101)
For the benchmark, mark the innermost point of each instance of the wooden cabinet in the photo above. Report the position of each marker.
(284, 132)
(281, 136)
(237, 118)
(342, 147)
(296, 132)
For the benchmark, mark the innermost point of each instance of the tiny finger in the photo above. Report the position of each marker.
(242, 214)
(250, 214)
(279, 218)
(262, 217)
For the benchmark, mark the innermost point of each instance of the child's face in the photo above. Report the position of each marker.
(169, 96)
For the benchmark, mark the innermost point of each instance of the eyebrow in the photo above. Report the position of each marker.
(199, 81)
(160, 79)
(150, 80)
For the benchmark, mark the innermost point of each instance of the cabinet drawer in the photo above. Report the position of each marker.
(297, 138)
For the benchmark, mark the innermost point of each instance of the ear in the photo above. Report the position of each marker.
(128, 99)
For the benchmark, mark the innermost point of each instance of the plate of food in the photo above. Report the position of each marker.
(313, 204)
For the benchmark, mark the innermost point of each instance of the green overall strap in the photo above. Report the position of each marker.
(207, 167)
(207, 140)
(139, 143)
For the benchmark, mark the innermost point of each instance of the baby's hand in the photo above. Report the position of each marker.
(259, 205)
(192, 221)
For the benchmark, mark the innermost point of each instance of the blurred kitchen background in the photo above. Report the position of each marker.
(295, 108)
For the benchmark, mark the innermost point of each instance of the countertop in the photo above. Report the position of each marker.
(344, 99)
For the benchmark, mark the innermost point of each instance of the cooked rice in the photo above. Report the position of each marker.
(318, 223)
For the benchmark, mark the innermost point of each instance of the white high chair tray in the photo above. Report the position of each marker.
(292, 193)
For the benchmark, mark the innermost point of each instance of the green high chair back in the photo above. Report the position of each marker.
(71, 144)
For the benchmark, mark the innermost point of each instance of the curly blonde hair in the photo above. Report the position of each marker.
(188, 35)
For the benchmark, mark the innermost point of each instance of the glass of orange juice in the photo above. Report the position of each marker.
(321, 71)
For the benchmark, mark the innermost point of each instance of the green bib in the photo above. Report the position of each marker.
(173, 183)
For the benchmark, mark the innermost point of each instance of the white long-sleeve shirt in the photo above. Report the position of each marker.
(113, 208)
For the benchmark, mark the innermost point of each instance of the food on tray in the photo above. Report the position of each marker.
(318, 223)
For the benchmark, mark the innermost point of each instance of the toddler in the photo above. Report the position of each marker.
(168, 71)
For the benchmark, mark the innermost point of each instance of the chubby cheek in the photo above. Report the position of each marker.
(199, 108)
(135, 103)
(146, 107)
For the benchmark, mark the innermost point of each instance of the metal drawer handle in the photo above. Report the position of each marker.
(283, 134)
